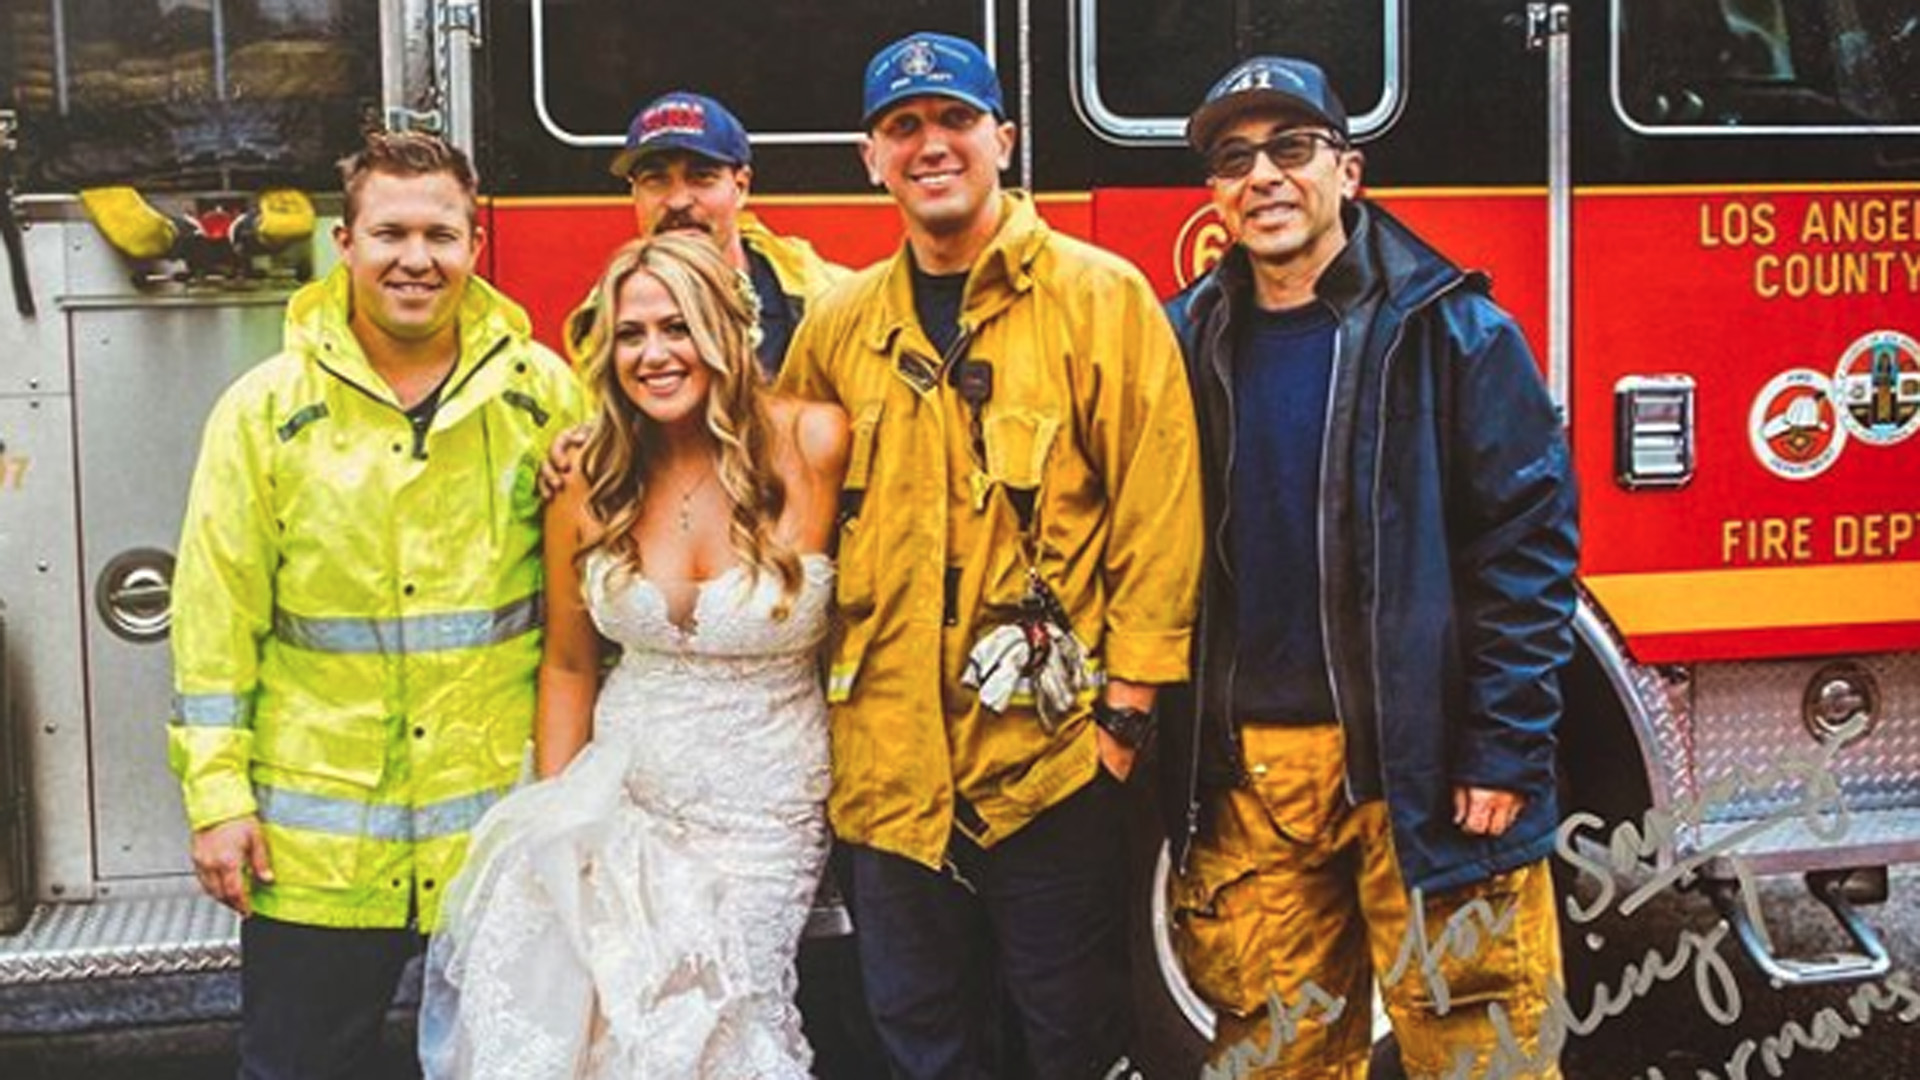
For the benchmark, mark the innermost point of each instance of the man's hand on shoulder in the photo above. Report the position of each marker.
(226, 855)
(560, 458)
(1486, 811)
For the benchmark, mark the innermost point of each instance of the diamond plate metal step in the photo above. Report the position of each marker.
(118, 938)
(176, 935)
(1788, 845)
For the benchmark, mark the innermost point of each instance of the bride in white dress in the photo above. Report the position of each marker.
(636, 913)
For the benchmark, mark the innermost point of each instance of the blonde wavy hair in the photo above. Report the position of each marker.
(722, 318)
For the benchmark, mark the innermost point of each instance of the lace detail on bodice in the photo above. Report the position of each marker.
(731, 612)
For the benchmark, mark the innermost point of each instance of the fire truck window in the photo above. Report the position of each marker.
(792, 69)
(187, 94)
(1773, 64)
(1145, 63)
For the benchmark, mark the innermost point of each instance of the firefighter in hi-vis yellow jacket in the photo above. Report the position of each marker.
(358, 613)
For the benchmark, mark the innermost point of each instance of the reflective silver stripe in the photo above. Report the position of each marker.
(213, 710)
(341, 817)
(372, 821)
(454, 816)
(416, 634)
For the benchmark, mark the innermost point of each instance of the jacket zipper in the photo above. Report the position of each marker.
(420, 432)
(1220, 537)
(949, 599)
(1326, 579)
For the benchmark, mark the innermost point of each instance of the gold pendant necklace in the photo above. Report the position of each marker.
(686, 501)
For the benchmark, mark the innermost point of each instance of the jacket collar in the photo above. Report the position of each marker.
(319, 325)
(1383, 257)
(1001, 275)
(794, 263)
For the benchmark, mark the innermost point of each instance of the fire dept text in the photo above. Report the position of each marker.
(1745, 541)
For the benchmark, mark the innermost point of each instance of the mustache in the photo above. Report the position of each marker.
(682, 219)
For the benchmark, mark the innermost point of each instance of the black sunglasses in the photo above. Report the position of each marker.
(1286, 149)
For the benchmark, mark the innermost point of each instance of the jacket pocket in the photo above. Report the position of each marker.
(1296, 776)
(315, 783)
(855, 552)
(1480, 937)
(1018, 442)
(1297, 796)
(349, 749)
(505, 715)
(1214, 917)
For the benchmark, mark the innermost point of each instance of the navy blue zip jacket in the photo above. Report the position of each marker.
(1448, 540)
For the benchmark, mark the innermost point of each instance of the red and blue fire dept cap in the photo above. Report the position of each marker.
(684, 121)
(928, 63)
(1266, 83)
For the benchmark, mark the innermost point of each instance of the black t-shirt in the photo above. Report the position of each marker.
(936, 302)
(421, 414)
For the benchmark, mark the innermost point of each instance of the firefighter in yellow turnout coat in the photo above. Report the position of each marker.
(1019, 558)
(358, 598)
(1090, 420)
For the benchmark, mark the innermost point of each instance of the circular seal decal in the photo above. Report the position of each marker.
(1203, 239)
(1795, 429)
(918, 60)
(1878, 387)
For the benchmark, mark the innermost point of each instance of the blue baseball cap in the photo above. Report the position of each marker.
(684, 121)
(1266, 83)
(929, 63)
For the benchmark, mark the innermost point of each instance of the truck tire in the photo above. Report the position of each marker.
(1171, 1025)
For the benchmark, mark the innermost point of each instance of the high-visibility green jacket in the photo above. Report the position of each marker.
(357, 608)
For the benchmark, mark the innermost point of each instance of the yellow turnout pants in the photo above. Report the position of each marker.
(1293, 905)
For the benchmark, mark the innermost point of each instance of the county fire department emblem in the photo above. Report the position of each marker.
(918, 60)
(1878, 387)
(1795, 428)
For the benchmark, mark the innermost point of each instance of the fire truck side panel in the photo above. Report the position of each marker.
(39, 563)
(141, 370)
(1174, 235)
(1782, 529)
(41, 580)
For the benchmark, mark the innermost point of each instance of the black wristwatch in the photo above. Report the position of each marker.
(1132, 727)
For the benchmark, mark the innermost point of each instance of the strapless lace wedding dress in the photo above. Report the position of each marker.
(638, 916)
